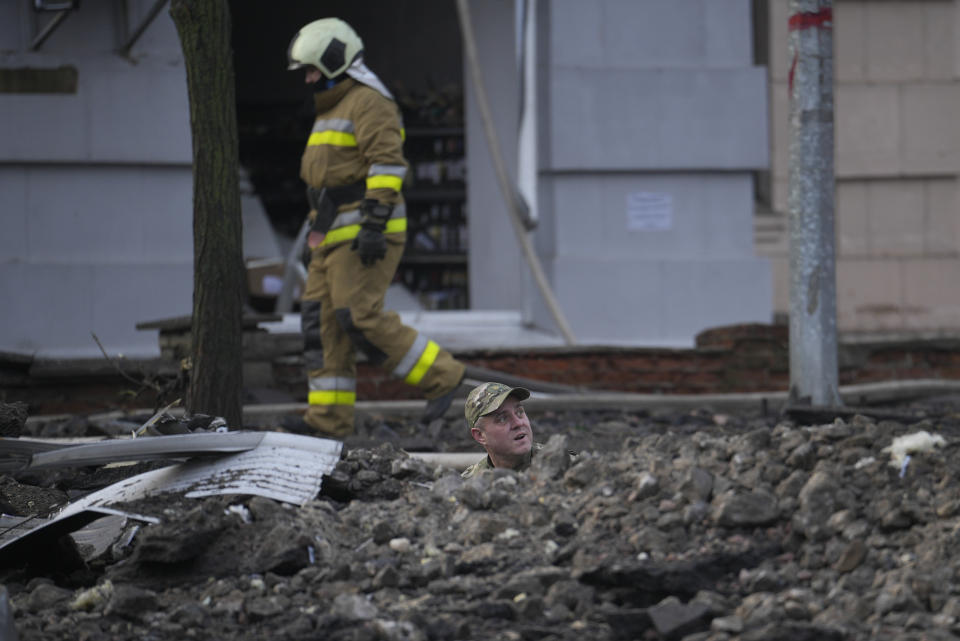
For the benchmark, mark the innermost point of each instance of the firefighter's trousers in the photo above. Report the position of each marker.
(344, 302)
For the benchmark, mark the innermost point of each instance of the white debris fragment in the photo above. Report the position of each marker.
(257, 584)
(509, 533)
(400, 544)
(915, 443)
(241, 511)
(93, 597)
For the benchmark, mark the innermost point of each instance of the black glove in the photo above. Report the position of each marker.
(370, 242)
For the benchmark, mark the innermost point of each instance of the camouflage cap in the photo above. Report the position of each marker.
(488, 397)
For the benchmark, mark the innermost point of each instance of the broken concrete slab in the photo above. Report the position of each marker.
(674, 619)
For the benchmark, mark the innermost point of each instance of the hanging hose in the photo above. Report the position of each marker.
(509, 193)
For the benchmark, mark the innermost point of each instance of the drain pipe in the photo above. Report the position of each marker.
(510, 193)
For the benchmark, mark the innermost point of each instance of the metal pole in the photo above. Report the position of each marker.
(813, 290)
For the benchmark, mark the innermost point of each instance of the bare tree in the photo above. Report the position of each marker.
(217, 333)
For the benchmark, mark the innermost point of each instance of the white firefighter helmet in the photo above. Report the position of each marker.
(329, 44)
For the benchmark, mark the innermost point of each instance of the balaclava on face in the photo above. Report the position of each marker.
(328, 83)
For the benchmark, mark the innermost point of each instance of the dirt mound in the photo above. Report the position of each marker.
(684, 525)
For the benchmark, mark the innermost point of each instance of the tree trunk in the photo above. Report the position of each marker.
(218, 281)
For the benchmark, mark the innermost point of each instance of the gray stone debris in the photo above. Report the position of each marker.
(13, 417)
(746, 509)
(662, 528)
(673, 619)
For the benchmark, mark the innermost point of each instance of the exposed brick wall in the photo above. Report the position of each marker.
(738, 358)
(901, 361)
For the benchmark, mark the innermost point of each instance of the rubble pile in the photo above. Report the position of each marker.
(691, 526)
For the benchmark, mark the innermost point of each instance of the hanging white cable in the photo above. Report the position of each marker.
(506, 187)
(527, 131)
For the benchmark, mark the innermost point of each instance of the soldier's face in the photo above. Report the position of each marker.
(312, 75)
(505, 433)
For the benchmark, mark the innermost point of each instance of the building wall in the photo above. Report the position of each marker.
(496, 267)
(897, 161)
(648, 144)
(95, 184)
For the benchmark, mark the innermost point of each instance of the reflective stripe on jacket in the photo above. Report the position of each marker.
(332, 390)
(357, 136)
(347, 224)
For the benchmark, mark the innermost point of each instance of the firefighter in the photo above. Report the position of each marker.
(354, 168)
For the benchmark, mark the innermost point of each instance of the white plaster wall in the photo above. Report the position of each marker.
(496, 267)
(652, 99)
(95, 186)
(661, 285)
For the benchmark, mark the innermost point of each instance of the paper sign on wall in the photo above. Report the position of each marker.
(649, 211)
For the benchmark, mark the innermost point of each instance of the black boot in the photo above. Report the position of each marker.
(296, 425)
(437, 407)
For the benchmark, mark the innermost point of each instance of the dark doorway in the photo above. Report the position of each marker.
(414, 46)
